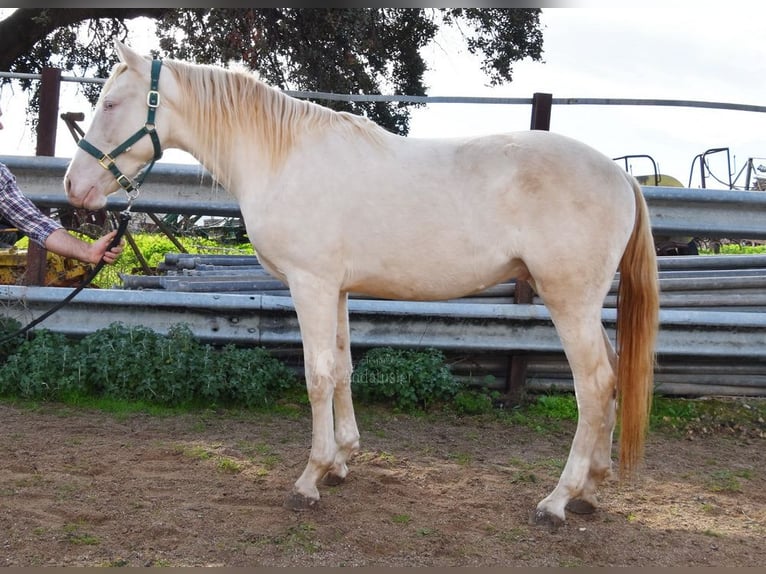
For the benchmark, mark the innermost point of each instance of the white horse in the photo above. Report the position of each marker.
(335, 204)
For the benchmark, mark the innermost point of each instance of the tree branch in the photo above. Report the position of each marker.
(26, 26)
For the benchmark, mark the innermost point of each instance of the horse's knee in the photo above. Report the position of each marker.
(319, 376)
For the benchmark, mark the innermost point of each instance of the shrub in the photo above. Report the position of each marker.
(132, 363)
(136, 363)
(9, 326)
(409, 379)
(475, 402)
(41, 369)
(249, 377)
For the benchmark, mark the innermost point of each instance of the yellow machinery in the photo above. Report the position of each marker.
(60, 271)
(659, 180)
(667, 245)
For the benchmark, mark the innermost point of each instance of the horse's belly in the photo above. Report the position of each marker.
(426, 283)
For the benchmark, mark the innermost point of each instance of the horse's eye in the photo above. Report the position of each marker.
(108, 105)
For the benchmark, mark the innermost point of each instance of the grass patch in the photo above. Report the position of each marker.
(299, 537)
(462, 458)
(74, 535)
(195, 452)
(728, 480)
(229, 465)
(733, 416)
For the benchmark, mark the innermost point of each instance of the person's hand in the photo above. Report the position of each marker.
(99, 249)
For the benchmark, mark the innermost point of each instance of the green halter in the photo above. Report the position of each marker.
(131, 186)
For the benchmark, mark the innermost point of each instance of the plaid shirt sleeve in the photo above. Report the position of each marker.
(21, 212)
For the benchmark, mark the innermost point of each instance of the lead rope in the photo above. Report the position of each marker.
(124, 219)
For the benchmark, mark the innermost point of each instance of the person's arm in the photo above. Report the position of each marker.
(63, 243)
(44, 231)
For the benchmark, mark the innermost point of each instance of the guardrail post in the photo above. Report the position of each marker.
(523, 293)
(50, 88)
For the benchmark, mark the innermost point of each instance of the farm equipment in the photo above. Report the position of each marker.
(60, 271)
(755, 179)
(665, 245)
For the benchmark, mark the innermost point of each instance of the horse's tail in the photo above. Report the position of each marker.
(637, 324)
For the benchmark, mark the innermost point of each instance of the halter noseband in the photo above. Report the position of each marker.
(106, 160)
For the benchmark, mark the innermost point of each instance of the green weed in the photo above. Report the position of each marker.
(153, 247)
(300, 536)
(401, 519)
(74, 535)
(229, 465)
(728, 480)
(410, 380)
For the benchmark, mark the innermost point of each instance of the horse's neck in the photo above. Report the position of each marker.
(225, 167)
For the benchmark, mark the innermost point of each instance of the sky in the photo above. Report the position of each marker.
(700, 51)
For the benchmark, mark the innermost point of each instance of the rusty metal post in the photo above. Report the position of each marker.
(541, 111)
(523, 293)
(50, 88)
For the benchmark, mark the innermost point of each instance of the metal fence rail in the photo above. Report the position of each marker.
(189, 189)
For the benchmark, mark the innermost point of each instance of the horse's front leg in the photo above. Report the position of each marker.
(317, 307)
(346, 431)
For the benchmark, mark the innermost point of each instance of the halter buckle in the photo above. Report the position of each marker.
(153, 99)
(125, 182)
(106, 161)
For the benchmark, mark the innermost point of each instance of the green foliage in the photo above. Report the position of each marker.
(409, 379)
(40, 369)
(9, 326)
(342, 50)
(736, 249)
(153, 247)
(692, 416)
(475, 401)
(138, 364)
(142, 365)
(246, 377)
(562, 407)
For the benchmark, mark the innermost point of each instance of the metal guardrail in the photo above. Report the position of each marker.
(715, 282)
(699, 351)
(189, 189)
(476, 327)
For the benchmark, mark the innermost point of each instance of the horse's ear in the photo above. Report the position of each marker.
(127, 55)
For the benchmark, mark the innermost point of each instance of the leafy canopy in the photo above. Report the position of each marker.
(342, 50)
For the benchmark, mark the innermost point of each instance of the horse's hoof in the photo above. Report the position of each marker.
(580, 506)
(332, 479)
(300, 502)
(544, 518)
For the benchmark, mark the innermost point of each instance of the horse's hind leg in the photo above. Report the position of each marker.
(592, 361)
(601, 465)
(346, 432)
(317, 307)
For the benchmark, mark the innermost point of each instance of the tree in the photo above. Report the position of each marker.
(342, 50)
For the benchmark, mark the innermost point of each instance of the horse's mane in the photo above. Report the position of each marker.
(235, 103)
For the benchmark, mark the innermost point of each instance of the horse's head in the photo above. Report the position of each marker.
(126, 133)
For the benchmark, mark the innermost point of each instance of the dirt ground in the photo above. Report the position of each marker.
(86, 488)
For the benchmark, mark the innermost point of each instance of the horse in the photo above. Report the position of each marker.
(334, 204)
